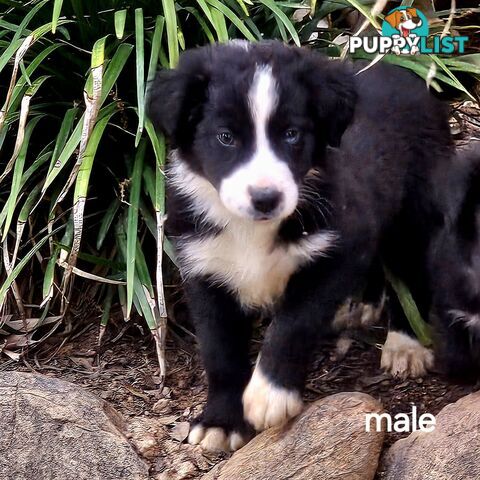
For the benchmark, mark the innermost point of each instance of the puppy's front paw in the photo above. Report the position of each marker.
(216, 439)
(404, 357)
(267, 405)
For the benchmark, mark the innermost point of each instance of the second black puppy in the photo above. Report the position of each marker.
(455, 267)
(289, 178)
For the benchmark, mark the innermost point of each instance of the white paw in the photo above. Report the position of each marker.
(215, 439)
(403, 356)
(266, 405)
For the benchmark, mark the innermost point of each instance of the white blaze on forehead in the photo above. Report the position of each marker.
(264, 169)
(262, 100)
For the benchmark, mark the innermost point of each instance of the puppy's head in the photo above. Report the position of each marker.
(253, 119)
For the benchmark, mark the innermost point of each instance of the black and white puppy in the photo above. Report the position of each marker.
(455, 267)
(289, 178)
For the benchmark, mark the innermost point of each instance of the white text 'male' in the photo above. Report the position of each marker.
(401, 422)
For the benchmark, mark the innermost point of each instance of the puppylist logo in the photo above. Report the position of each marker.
(405, 32)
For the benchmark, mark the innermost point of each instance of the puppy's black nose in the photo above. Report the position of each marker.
(265, 200)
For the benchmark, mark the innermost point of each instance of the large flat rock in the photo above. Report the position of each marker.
(327, 441)
(52, 429)
(451, 451)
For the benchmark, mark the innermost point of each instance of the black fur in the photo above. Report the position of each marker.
(455, 267)
(374, 140)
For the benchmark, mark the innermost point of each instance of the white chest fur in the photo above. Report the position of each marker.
(246, 260)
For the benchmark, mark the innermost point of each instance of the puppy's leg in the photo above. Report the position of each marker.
(274, 393)
(402, 354)
(223, 331)
(361, 313)
(365, 310)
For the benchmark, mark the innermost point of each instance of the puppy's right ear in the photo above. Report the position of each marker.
(176, 97)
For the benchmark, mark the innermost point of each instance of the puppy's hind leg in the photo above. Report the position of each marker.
(362, 313)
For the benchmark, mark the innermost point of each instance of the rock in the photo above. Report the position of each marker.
(180, 431)
(184, 470)
(162, 406)
(450, 451)
(170, 459)
(53, 429)
(328, 440)
(147, 435)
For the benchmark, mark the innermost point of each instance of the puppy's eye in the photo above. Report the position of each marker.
(226, 138)
(292, 136)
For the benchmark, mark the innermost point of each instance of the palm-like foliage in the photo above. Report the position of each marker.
(81, 168)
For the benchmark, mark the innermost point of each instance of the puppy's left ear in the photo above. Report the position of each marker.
(332, 86)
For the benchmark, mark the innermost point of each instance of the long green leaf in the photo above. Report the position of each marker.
(81, 186)
(171, 22)
(72, 144)
(156, 45)
(107, 221)
(9, 52)
(23, 262)
(421, 329)
(132, 222)
(115, 68)
(220, 25)
(49, 277)
(22, 81)
(234, 18)
(57, 8)
(120, 18)
(17, 176)
(28, 17)
(282, 18)
(140, 71)
(83, 177)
